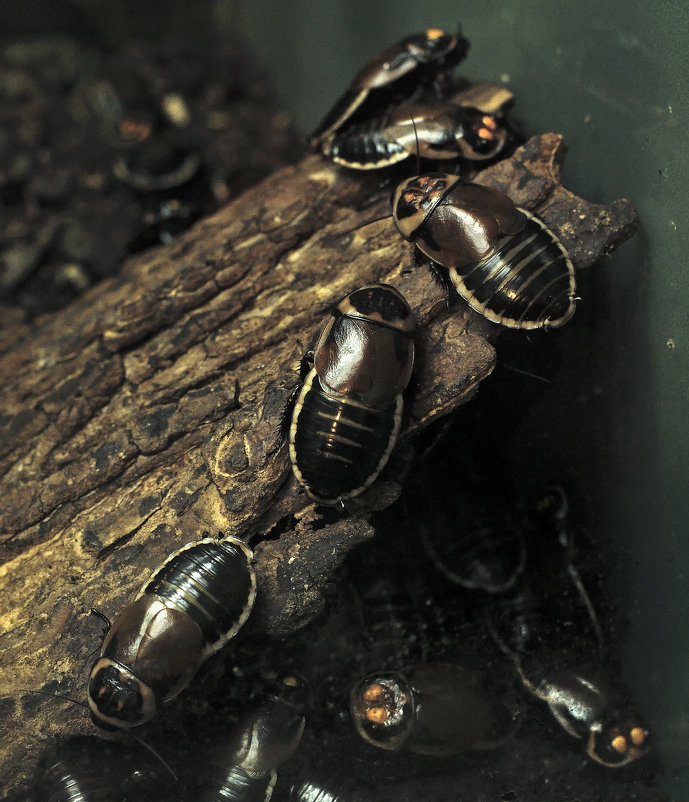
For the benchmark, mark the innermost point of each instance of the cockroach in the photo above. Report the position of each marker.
(431, 708)
(397, 74)
(503, 260)
(348, 409)
(189, 608)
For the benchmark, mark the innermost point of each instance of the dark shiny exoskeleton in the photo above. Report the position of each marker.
(189, 609)
(332, 789)
(89, 769)
(395, 75)
(548, 626)
(503, 260)
(432, 709)
(348, 412)
(268, 735)
(438, 131)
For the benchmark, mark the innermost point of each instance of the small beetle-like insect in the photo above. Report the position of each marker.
(432, 709)
(427, 130)
(188, 609)
(503, 260)
(348, 411)
(395, 75)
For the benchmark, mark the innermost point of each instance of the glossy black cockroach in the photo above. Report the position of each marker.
(395, 75)
(432, 709)
(268, 735)
(503, 260)
(347, 413)
(548, 626)
(188, 609)
(438, 131)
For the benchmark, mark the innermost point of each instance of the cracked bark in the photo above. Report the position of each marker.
(147, 414)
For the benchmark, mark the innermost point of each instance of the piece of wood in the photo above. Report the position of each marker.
(147, 414)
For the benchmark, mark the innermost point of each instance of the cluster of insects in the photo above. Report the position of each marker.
(341, 425)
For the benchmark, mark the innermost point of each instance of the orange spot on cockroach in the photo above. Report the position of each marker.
(489, 122)
(619, 744)
(434, 33)
(484, 133)
(373, 693)
(638, 736)
(377, 715)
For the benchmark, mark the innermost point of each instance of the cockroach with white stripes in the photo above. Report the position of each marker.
(439, 131)
(189, 608)
(348, 409)
(503, 260)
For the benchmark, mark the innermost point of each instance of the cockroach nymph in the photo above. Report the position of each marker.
(268, 734)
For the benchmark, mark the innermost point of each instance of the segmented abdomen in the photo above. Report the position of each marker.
(527, 283)
(339, 447)
(212, 582)
(364, 147)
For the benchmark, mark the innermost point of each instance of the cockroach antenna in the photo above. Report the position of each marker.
(416, 139)
(143, 743)
(156, 755)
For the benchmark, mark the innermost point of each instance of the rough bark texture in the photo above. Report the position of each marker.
(147, 414)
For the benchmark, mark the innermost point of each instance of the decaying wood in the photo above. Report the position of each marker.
(147, 414)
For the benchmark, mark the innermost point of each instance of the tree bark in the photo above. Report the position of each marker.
(147, 414)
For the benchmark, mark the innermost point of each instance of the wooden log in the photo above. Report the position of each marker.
(147, 414)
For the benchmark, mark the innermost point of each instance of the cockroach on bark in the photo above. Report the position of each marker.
(397, 74)
(504, 261)
(436, 131)
(347, 412)
(189, 608)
